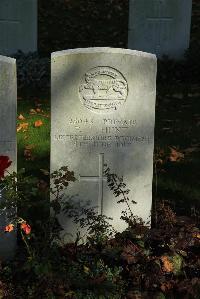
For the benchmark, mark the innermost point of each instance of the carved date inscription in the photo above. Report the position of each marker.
(112, 133)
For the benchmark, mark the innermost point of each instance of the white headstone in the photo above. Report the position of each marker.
(103, 106)
(18, 26)
(8, 110)
(161, 27)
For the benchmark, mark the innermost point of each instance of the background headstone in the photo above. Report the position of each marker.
(103, 110)
(8, 110)
(161, 27)
(18, 26)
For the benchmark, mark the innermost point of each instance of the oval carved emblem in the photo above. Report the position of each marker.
(103, 89)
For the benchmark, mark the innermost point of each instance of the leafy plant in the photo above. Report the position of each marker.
(141, 262)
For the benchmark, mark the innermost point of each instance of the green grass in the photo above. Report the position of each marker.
(38, 137)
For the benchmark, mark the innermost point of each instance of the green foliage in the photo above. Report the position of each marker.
(19, 191)
(120, 191)
(97, 227)
(177, 261)
(161, 262)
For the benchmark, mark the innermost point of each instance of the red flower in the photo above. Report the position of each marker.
(4, 163)
(9, 228)
(26, 228)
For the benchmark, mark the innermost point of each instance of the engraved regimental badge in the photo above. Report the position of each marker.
(103, 89)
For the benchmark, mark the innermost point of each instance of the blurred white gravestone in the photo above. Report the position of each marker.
(18, 26)
(8, 110)
(161, 27)
(103, 111)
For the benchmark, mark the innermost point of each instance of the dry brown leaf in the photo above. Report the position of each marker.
(32, 111)
(175, 155)
(130, 253)
(166, 286)
(28, 152)
(193, 148)
(21, 117)
(196, 235)
(38, 123)
(23, 127)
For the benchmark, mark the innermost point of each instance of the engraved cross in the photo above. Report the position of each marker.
(161, 23)
(14, 23)
(100, 179)
(8, 20)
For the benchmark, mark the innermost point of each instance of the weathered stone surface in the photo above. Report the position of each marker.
(18, 26)
(8, 108)
(103, 110)
(161, 27)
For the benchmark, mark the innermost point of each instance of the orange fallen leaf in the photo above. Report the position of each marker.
(23, 127)
(21, 117)
(9, 228)
(26, 228)
(38, 110)
(167, 265)
(38, 123)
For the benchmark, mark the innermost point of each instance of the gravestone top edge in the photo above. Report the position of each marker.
(7, 59)
(97, 50)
